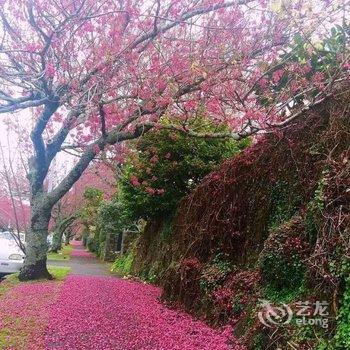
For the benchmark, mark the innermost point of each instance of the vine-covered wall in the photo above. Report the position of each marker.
(272, 222)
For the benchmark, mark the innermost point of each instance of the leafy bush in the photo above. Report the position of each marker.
(281, 273)
(92, 243)
(165, 166)
(109, 222)
(93, 197)
(123, 264)
(282, 261)
(342, 336)
(214, 273)
(101, 218)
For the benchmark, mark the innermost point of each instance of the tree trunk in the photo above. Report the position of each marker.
(61, 228)
(57, 240)
(68, 236)
(36, 252)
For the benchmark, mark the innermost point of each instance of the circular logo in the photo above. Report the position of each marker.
(271, 315)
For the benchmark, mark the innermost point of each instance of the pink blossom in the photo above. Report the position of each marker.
(154, 159)
(134, 181)
(318, 80)
(263, 83)
(150, 190)
(277, 76)
(50, 70)
(190, 105)
(96, 149)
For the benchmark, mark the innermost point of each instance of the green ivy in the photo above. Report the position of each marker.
(285, 202)
(215, 273)
(284, 279)
(123, 264)
(314, 210)
(166, 231)
(342, 337)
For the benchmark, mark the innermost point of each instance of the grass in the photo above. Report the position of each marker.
(122, 265)
(63, 254)
(16, 330)
(10, 339)
(9, 282)
(59, 272)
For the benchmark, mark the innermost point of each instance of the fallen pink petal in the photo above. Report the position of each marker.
(109, 313)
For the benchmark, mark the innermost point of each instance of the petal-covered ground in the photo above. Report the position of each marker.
(79, 251)
(81, 254)
(24, 315)
(109, 313)
(99, 312)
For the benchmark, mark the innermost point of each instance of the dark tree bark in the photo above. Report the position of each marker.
(36, 250)
(41, 206)
(68, 238)
(57, 241)
(60, 229)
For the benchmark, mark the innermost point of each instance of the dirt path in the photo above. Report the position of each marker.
(82, 262)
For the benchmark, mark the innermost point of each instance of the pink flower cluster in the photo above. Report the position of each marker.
(110, 313)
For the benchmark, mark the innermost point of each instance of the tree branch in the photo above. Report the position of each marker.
(40, 165)
(16, 105)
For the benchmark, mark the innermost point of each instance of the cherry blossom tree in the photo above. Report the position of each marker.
(91, 74)
(65, 214)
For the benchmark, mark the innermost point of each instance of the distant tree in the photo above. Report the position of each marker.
(88, 215)
(13, 209)
(64, 217)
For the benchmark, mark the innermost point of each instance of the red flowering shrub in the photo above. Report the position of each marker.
(239, 290)
(190, 264)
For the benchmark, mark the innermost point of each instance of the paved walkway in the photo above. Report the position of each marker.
(82, 262)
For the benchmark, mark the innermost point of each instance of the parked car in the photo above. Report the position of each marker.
(11, 256)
